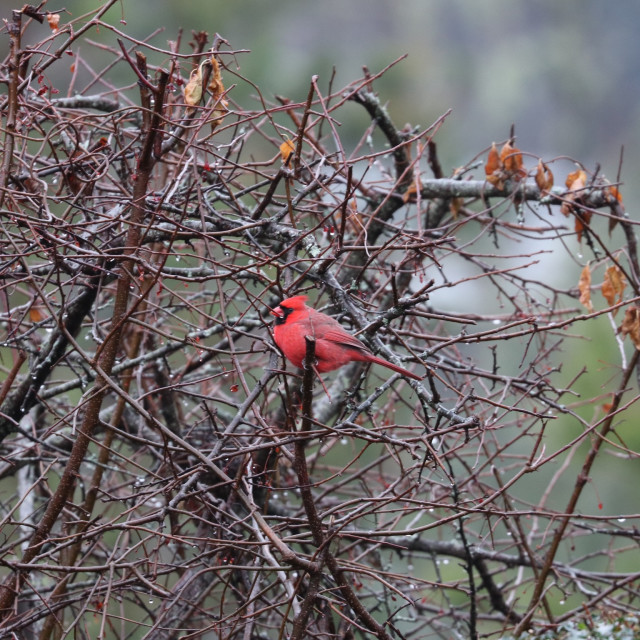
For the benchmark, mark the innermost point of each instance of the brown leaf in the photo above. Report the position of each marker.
(584, 286)
(53, 19)
(613, 285)
(215, 83)
(493, 161)
(217, 92)
(496, 180)
(36, 313)
(193, 90)
(411, 194)
(615, 204)
(455, 205)
(582, 220)
(576, 180)
(544, 177)
(504, 166)
(218, 116)
(614, 192)
(576, 183)
(631, 325)
(511, 158)
(287, 149)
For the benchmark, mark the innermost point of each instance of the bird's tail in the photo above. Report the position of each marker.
(394, 367)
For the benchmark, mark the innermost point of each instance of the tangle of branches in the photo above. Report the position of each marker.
(164, 473)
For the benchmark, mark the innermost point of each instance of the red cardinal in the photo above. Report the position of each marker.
(334, 346)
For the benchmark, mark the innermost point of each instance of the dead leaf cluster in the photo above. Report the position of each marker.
(504, 166)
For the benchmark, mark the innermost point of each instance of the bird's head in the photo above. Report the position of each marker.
(288, 306)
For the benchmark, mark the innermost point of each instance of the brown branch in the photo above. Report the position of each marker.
(71, 555)
(404, 172)
(315, 523)
(105, 359)
(25, 396)
(303, 125)
(14, 28)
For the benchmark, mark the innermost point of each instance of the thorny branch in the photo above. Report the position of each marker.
(163, 470)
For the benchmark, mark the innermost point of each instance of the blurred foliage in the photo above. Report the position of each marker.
(565, 73)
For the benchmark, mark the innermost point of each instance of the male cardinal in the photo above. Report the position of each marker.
(334, 346)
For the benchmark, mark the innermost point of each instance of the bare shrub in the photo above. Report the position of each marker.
(165, 474)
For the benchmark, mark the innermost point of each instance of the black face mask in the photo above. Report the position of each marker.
(282, 319)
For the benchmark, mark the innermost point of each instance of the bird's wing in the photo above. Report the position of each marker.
(340, 336)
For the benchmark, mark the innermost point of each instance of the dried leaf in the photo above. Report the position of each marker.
(504, 166)
(218, 114)
(614, 192)
(53, 19)
(544, 177)
(496, 180)
(455, 205)
(583, 218)
(287, 149)
(615, 204)
(215, 82)
(584, 286)
(511, 158)
(193, 89)
(576, 183)
(411, 194)
(493, 161)
(576, 180)
(36, 313)
(631, 325)
(217, 92)
(613, 285)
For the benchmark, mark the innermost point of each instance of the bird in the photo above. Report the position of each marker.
(334, 346)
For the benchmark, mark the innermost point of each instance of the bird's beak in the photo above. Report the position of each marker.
(277, 312)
